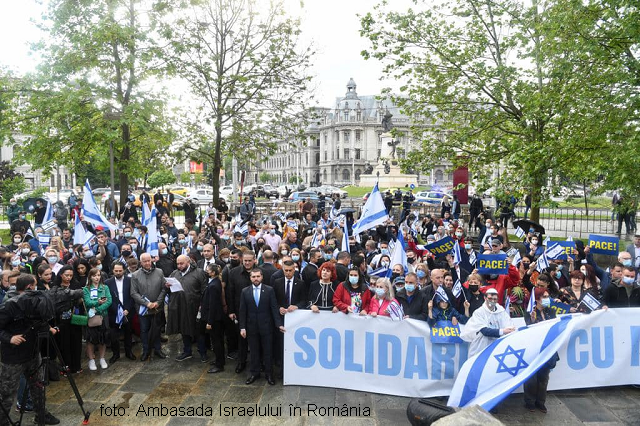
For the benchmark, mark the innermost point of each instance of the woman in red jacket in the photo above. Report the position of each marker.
(384, 296)
(352, 295)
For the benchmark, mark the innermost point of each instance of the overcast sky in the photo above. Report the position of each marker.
(332, 25)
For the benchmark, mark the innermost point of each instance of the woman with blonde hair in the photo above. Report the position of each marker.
(383, 297)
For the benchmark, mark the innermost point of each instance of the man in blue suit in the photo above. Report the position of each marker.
(259, 317)
(120, 286)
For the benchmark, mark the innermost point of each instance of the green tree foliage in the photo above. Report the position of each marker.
(266, 177)
(161, 177)
(507, 85)
(247, 73)
(185, 178)
(95, 85)
(11, 182)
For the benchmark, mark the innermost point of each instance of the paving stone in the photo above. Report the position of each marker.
(120, 372)
(280, 395)
(169, 393)
(182, 373)
(188, 421)
(389, 401)
(100, 392)
(319, 396)
(243, 394)
(142, 383)
(388, 416)
(232, 419)
(629, 415)
(585, 409)
(353, 399)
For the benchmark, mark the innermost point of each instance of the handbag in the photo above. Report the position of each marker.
(95, 321)
(77, 319)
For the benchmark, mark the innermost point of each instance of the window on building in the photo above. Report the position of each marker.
(449, 176)
(358, 172)
(346, 175)
(439, 176)
(358, 115)
(346, 154)
(337, 153)
(317, 158)
(318, 142)
(357, 154)
(347, 135)
(337, 137)
(325, 138)
(346, 115)
(325, 156)
(358, 135)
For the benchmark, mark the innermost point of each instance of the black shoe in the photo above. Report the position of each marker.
(160, 354)
(252, 379)
(131, 356)
(240, 367)
(113, 359)
(232, 355)
(530, 406)
(215, 369)
(204, 358)
(49, 419)
(270, 380)
(183, 356)
(144, 357)
(541, 407)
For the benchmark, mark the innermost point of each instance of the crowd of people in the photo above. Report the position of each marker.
(225, 283)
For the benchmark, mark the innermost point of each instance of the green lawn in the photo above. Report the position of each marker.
(359, 191)
(595, 202)
(5, 236)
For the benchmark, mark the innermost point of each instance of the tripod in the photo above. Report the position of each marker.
(44, 337)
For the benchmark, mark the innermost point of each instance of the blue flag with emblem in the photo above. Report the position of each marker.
(492, 374)
(457, 257)
(373, 213)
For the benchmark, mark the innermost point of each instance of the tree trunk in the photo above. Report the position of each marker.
(536, 193)
(124, 158)
(217, 165)
(586, 203)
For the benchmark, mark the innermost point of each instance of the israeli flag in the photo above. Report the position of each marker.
(119, 315)
(457, 288)
(345, 237)
(242, 228)
(380, 272)
(520, 232)
(473, 258)
(547, 241)
(554, 252)
(396, 312)
(457, 257)
(493, 374)
(90, 211)
(48, 214)
(81, 235)
(318, 239)
(440, 292)
(542, 263)
(150, 219)
(373, 213)
(507, 302)
(399, 256)
(531, 306)
(570, 238)
(517, 258)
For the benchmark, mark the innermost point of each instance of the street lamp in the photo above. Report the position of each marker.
(111, 115)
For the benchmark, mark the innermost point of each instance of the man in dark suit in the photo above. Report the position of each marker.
(120, 288)
(212, 311)
(267, 266)
(239, 278)
(207, 257)
(291, 294)
(258, 318)
(310, 272)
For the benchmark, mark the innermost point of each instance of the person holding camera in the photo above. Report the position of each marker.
(97, 299)
(19, 354)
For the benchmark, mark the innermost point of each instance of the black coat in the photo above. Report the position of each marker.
(417, 308)
(200, 263)
(267, 272)
(127, 304)
(167, 264)
(299, 293)
(342, 271)
(309, 274)
(211, 308)
(261, 319)
(616, 297)
(238, 279)
(184, 305)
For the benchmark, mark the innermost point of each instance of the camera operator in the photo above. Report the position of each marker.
(18, 349)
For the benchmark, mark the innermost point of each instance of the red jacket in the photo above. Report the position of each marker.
(342, 297)
(503, 283)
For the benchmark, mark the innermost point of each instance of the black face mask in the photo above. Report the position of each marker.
(411, 260)
(126, 253)
(394, 275)
(473, 288)
(525, 265)
(234, 263)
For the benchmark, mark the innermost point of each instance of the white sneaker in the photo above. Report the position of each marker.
(103, 363)
(92, 365)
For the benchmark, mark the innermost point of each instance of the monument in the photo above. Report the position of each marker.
(388, 168)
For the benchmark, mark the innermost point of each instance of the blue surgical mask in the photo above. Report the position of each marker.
(384, 251)
(127, 234)
(272, 231)
(327, 256)
(99, 267)
(410, 287)
(295, 258)
(182, 241)
(225, 237)
(628, 280)
(627, 262)
(560, 267)
(545, 302)
(88, 254)
(165, 251)
(200, 248)
(52, 259)
(380, 292)
(384, 264)
(420, 273)
(353, 280)
(15, 263)
(558, 274)
(134, 246)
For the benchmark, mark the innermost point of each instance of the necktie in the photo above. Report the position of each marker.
(288, 292)
(256, 295)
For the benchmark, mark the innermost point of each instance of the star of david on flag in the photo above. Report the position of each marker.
(505, 365)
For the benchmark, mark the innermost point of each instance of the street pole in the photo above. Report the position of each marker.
(234, 174)
(113, 186)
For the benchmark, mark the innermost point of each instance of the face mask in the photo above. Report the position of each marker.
(295, 258)
(410, 287)
(127, 234)
(487, 224)
(239, 242)
(558, 274)
(525, 265)
(560, 267)
(628, 280)
(473, 288)
(272, 231)
(380, 292)
(421, 274)
(327, 256)
(182, 242)
(398, 287)
(52, 259)
(127, 253)
(491, 304)
(88, 254)
(24, 251)
(99, 267)
(384, 263)
(200, 248)
(384, 251)
(225, 237)
(225, 260)
(626, 262)
(545, 302)
(13, 203)
(458, 234)
(15, 263)
(353, 280)
(22, 217)
(234, 263)
(134, 246)
(220, 231)
(534, 242)
(165, 251)
(467, 246)
(284, 252)
(411, 260)
(32, 258)
(17, 240)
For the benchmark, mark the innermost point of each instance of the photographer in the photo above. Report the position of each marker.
(19, 355)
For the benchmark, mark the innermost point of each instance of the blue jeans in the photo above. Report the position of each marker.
(187, 341)
(21, 386)
(145, 326)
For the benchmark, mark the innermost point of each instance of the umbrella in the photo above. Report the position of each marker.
(527, 224)
(347, 210)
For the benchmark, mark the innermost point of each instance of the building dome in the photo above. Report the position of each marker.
(350, 100)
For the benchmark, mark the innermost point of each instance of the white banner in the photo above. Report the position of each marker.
(383, 356)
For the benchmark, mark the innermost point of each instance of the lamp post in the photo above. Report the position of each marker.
(111, 115)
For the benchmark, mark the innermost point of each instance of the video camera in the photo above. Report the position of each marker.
(45, 305)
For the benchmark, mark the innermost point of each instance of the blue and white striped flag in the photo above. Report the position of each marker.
(517, 258)
(547, 241)
(520, 232)
(531, 306)
(440, 292)
(373, 213)
(80, 234)
(90, 211)
(396, 313)
(457, 257)
(380, 272)
(457, 288)
(398, 255)
(473, 258)
(150, 220)
(119, 315)
(507, 301)
(554, 252)
(242, 228)
(542, 263)
(345, 237)
(48, 214)
(493, 374)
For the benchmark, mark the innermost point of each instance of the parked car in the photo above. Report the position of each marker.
(97, 192)
(181, 190)
(297, 196)
(63, 195)
(430, 197)
(284, 191)
(270, 191)
(225, 191)
(330, 191)
(201, 196)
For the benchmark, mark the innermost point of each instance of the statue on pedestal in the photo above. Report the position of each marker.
(386, 122)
